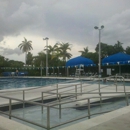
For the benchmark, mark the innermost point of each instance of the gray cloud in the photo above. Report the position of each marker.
(118, 28)
(9, 51)
(65, 20)
(17, 16)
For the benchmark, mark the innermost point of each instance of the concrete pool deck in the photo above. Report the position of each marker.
(115, 120)
(92, 124)
(7, 124)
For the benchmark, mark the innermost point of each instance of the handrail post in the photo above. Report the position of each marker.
(89, 108)
(10, 108)
(124, 85)
(23, 98)
(42, 101)
(115, 80)
(76, 91)
(126, 96)
(100, 99)
(116, 87)
(99, 84)
(81, 86)
(57, 90)
(59, 106)
(48, 117)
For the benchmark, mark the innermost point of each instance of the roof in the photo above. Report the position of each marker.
(77, 61)
(118, 58)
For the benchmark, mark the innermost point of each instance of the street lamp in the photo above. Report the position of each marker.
(41, 68)
(99, 71)
(46, 54)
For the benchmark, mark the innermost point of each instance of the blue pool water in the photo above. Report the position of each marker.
(9, 83)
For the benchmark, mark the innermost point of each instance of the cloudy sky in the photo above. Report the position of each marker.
(70, 21)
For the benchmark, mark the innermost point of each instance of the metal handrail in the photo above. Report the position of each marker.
(24, 90)
(24, 101)
(20, 100)
(75, 100)
(89, 114)
(60, 102)
(78, 87)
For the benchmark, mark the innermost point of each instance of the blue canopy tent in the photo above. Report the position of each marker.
(77, 61)
(118, 58)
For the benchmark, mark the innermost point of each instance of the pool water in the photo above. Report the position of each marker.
(67, 114)
(12, 83)
(9, 83)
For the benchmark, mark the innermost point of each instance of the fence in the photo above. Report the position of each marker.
(63, 98)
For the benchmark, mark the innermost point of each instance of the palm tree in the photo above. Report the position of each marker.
(84, 52)
(52, 50)
(63, 47)
(25, 46)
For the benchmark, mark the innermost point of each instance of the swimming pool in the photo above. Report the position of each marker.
(69, 112)
(9, 83)
(12, 83)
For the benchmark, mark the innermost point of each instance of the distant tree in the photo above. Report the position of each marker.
(13, 63)
(84, 52)
(41, 57)
(127, 50)
(118, 47)
(25, 46)
(3, 61)
(110, 50)
(105, 49)
(93, 56)
(52, 50)
(63, 51)
(29, 59)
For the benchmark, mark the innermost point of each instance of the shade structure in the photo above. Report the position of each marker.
(118, 58)
(77, 61)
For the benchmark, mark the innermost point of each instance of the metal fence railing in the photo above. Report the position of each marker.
(60, 103)
(68, 97)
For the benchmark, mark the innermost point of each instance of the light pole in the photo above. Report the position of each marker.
(99, 69)
(46, 54)
(41, 68)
